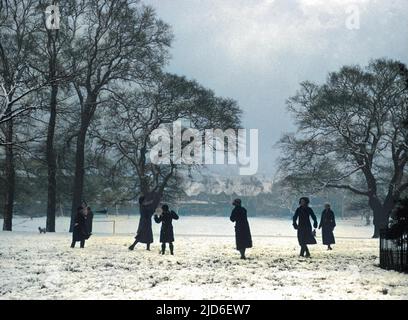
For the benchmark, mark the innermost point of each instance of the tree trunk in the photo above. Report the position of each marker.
(10, 178)
(52, 162)
(377, 230)
(79, 173)
(144, 185)
(380, 215)
(78, 187)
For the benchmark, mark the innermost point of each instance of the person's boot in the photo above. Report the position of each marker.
(307, 253)
(148, 247)
(73, 245)
(302, 252)
(132, 247)
(163, 248)
(242, 254)
(171, 249)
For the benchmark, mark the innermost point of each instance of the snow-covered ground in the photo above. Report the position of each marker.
(35, 266)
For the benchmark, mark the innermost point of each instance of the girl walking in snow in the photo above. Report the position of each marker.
(80, 232)
(89, 219)
(166, 217)
(243, 237)
(144, 234)
(301, 222)
(327, 224)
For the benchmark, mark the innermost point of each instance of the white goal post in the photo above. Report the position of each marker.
(107, 221)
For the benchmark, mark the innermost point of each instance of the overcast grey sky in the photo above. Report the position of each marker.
(258, 51)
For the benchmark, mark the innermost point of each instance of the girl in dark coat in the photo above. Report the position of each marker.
(242, 232)
(80, 232)
(304, 227)
(89, 219)
(166, 232)
(144, 232)
(327, 224)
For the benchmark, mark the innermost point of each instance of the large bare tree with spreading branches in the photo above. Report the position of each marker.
(130, 117)
(118, 41)
(351, 135)
(17, 83)
(49, 60)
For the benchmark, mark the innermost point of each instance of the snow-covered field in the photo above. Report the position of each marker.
(35, 266)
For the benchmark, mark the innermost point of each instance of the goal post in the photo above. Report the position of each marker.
(113, 222)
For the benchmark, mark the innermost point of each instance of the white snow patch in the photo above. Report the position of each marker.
(38, 266)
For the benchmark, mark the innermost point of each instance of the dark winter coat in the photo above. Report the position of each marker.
(242, 232)
(80, 227)
(166, 231)
(327, 224)
(144, 232)
(301, 222)
(148, 205)
(89, 220)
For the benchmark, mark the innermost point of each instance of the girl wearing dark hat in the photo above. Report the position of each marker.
(89, 219)
(242, 232)
(80, 232)
(165, 217)
(301, 222)
(327, 224)
(144, 233)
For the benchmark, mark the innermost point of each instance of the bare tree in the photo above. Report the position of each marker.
(118, 41)
(404, 73)
(350, 130)
(17, 82)
(138, 113)
(49, 60)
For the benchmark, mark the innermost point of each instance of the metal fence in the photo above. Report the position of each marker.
(394, 250)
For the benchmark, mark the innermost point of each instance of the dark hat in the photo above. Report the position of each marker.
(307, 200)
(237, 202)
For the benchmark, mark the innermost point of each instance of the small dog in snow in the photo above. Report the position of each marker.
(42, 230)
